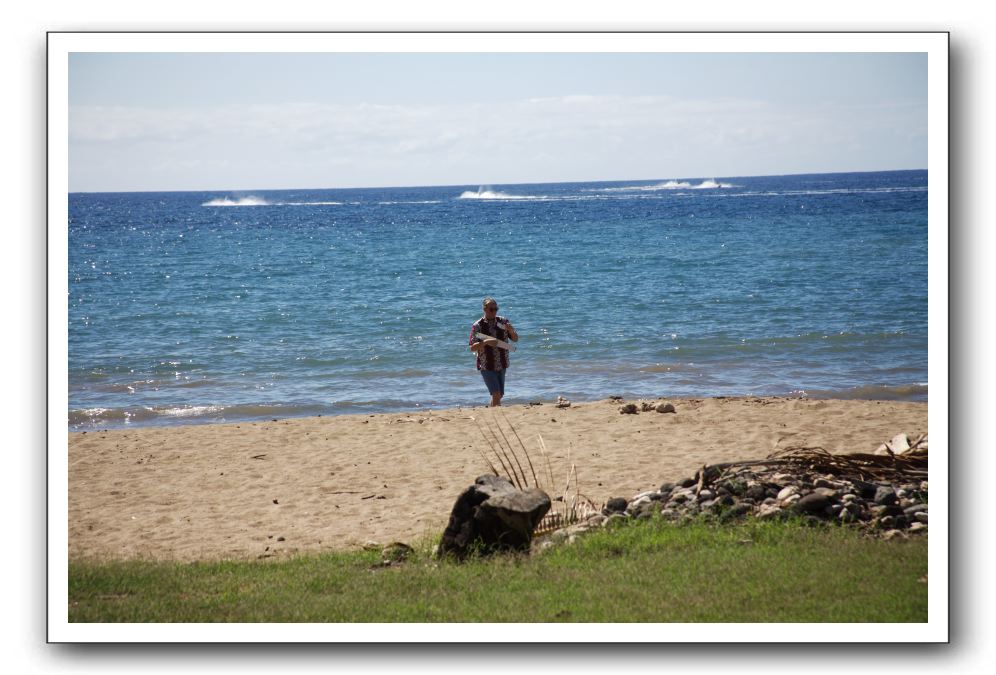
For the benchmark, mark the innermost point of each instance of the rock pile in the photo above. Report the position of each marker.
(644, 406)
(887, 507)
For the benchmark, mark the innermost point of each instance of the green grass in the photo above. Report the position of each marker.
(649, 571)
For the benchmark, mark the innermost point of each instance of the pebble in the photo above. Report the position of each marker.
(813, 503)
(615, 505)
(885, 496)
(787, 492)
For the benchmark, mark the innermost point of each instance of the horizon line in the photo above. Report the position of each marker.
(489, 184)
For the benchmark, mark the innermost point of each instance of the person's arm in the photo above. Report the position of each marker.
(476, 344)
(512, 335)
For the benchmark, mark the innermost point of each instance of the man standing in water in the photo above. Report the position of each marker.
(492, 360)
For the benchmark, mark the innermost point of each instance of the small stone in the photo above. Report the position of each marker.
(665, 488)
(615, 505)
(829, 493)
(666, 408)
(769, 511)
(913, 510)
(756, 491)
(863, 489)
(787, 492)
(885, 496)
(687, 483)
(596, 519)
(737, 511)
(783, 478)
(824, 483)
(670, 514)
(679, 498)
(918, 527)
(628, 409)
(848, 498)
(812, 503)
(920, 517)
(892, 534)
(706, 495)
(886, 523)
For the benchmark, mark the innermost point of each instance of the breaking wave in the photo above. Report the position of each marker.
(242, 201)
(707, 184)
(259, 201)
(91, 418)
(487, 193)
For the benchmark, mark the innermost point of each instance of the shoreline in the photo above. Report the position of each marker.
(179, 415)
(263, 489)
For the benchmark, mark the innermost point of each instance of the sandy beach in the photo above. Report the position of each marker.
(271, 489)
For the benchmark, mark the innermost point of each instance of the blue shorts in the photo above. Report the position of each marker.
(495, 379)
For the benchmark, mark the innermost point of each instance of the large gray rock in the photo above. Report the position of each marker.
(491, 516)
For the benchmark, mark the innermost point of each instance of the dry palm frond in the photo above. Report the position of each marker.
(568, 506)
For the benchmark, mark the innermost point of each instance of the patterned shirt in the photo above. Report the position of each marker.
(490, 358)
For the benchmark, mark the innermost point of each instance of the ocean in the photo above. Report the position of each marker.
(197, 307)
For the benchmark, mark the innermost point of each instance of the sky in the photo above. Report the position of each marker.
(256, 121)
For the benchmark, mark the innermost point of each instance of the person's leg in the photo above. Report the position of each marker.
(501, 388)
(494, 386)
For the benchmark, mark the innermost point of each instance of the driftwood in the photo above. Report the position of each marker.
(863, 466)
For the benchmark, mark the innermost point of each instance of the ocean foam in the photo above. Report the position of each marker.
(242, 201)
(707, 184)
(485, 193)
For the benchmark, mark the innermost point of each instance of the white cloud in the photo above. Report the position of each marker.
(570, 137)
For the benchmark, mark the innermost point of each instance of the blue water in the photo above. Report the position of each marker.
(202, 307)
